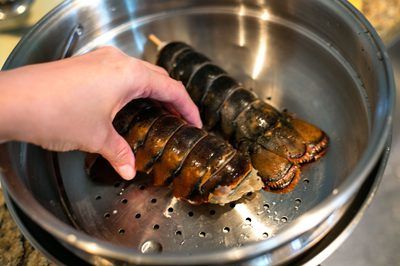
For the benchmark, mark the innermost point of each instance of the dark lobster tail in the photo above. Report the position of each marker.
(251, 124)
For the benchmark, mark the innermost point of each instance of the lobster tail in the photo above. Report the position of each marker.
(242, 117)
(186, 157)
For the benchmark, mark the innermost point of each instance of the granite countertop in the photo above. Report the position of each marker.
(384, 16)
(14, 248)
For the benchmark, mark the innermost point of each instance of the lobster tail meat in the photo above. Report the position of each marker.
(186, 157)
(244, 119)
(230, 176)
(226, 194)
(227, 180)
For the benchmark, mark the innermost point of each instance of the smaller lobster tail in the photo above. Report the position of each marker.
(241, 117)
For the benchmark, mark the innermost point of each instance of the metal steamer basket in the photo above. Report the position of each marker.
(319, 59)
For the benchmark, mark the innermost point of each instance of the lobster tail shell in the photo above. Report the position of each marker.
(238, 101)
(166, 58)
(174, 152)
(201, 82)
(156, 139)
(242, 117)
(187, 63)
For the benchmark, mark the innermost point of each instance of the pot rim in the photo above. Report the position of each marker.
(301, 225)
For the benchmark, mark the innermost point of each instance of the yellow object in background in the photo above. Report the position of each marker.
(9, 39)
(357, 3)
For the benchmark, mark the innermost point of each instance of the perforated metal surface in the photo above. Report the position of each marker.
(149, 219)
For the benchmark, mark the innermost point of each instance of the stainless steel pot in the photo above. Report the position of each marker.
(61, 255)
(320, 59)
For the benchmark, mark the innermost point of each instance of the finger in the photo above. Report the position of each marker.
(171, 109)
(119, 154)
(172, 92)
(155, 68)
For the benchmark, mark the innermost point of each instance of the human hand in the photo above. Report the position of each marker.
(70, 104)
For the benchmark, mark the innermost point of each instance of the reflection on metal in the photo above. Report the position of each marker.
(296, 245)
(265, 15)
(170, 207)
(21, 9)
(14, 13)
(91, 247)
(137, 37)
(257, 226)
(259, 63)
(242, 26)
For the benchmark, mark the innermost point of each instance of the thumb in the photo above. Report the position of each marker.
(119, 154)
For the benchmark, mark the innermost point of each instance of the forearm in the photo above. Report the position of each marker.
(11, 106)
(23, 105)
(70, 104)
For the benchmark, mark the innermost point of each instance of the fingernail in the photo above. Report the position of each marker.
(127, 172)
(198, 124)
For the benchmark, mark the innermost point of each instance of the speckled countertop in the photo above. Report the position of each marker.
(14, 248)
(384, 16)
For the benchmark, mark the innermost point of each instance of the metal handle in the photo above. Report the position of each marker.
(72, 41)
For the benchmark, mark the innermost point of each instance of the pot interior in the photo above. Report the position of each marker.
(316, 65)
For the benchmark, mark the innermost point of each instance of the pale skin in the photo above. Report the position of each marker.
(70, 104)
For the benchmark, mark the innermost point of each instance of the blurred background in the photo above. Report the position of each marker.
(375, 240)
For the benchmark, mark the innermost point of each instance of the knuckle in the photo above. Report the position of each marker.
(174, 84)
(122, 65)
(111, 51)
(133, 65)
(146, 92)
(162, 70)
(179, 85)
(114, 56)
(112, 59)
